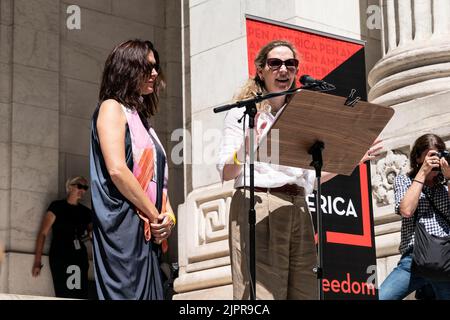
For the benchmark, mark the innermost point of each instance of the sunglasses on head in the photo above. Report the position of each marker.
(81, 186)
(275, 63)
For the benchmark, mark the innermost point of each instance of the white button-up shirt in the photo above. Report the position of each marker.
(266, 175)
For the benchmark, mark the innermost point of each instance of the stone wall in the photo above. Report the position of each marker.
(49, 83)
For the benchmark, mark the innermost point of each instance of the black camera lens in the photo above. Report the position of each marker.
(443, 154)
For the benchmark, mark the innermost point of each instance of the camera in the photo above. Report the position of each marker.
(443, 154)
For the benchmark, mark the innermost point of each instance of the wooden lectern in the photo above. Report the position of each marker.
(320, 130)
(346, 131)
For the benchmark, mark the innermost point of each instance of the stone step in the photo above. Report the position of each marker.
(10, 296)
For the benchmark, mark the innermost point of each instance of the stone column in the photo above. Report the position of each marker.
(413, 77)
(416, 61)
(29, 97)
(5, 125)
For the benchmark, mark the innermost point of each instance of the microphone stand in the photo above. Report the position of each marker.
(251, 111)
(316, 152)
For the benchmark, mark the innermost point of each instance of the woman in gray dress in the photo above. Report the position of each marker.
(132, 212)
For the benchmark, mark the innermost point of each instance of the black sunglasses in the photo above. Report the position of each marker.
(81, 186)
(156, 67)
(275, 63)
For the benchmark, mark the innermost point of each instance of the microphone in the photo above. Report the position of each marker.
(307, 80)
(310, 82)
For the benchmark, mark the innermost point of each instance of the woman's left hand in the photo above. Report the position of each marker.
(445, 168)
(373, 152)
(162, 229)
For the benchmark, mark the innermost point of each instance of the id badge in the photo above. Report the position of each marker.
(76, 244)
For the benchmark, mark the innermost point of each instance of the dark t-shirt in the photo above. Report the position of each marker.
(70, 225)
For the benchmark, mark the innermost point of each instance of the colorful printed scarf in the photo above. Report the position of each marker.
(149, 167)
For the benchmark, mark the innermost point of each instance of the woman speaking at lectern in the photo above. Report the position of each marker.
(285, 248)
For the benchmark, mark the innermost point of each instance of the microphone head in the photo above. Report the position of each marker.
(307, 79)
(310, 83)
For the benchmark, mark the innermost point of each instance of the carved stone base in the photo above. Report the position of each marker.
(217, 293)
(203, 240)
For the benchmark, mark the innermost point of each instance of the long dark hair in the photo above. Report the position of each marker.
(425, 142)
(126, 68)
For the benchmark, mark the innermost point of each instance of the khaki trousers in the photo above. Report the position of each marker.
(285, 247)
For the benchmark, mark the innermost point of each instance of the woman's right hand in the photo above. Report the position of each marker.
(161, 228)
(36, 271)
(430, 162)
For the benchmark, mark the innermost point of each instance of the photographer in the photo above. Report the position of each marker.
(422, 196)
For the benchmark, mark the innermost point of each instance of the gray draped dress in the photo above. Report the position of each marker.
(126, 266)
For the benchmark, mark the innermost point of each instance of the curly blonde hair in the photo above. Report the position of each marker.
(256, 85)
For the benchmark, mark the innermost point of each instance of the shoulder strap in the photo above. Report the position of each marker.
(435, 208)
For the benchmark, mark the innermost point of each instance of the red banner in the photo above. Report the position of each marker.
(318, 55)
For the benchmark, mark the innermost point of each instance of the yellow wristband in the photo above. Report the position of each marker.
(236, 160)
(172, 216)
